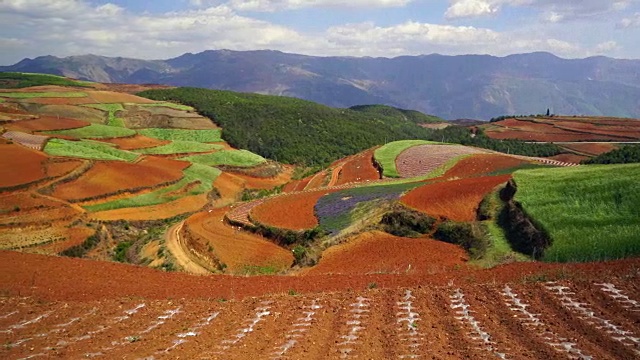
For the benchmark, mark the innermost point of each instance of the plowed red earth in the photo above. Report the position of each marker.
(293, 212)
(168, 210)
(423, 159)
(359, 169)
(59, 168)
(454, 200)
(564, 129)
(111, 177)
(136, 142)
(20, 165)
(297, 185)
(381, 253)
(481, 164)
(94, 97)
(569, 158)
(591, 148)
(81, 308)
(239, 250)
(46, 123)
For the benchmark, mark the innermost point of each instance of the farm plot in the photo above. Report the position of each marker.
(19, 239)
(380, 253)
(336, 211)
(589, 214)
(20, 166)
(197, 180)
(68, 112)
(386, 155)
(591, 148)
(87, 150)
(294, 212)
(240, 251)
(48, 94)
(358, 168)
(187, 204)
(23, 209)
(424, 159)
(455, 200)
(95, 131)
(136, 142)
(540, 130)
(111, 110)
(482, 164)
(158, 117)
(169, 105)
(35, 142)
(46, 123)
(238, 158)
(203, 136)
(116, 177)
(180, 147)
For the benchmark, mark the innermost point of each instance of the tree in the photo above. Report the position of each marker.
(548, 112)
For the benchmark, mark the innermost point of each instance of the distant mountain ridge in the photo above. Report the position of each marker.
(466, 86)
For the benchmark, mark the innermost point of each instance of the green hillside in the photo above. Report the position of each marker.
(588, 213)
(412, 115)
(297, 131)
(14, 80)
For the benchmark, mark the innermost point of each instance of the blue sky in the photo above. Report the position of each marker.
(160, 29)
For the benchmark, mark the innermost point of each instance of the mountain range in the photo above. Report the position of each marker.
(452, 87)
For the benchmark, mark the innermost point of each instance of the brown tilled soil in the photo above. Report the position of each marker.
(293, 212)
(381, 253)
(177, 207)
(591, 148)
(240, 251)
(81, 308)
(108, 177)
(358, 169)
(569, 158)
(481, 164)
(136, 142)
(20, 165)
(454, 200)
(46, 123)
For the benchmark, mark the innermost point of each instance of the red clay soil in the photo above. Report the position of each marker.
(423, 159)
(456, 200)
(481, 164)
(591, 148)
(554, 130)
(318, 180)
(59, 168)
(229, 187)
(74, 236)
(238, 249)
(358, 169)
(297, 185)
(381, 253)
(187, 204)
(294, 212)
(46, 123)
(569, 158)
(252, 182)
(111, 177)
(136, 142)
(20, 165)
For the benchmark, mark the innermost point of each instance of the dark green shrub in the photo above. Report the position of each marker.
(470, 236)
(405, 222)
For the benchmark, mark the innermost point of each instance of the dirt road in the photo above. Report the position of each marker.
(182, 256)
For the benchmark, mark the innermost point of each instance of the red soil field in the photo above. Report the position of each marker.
(422, 159)
(59, 168)
(46, 123)
(481, 164)
(455, 200)
(358, 169)
(252, 182)
(563, 129)
(136, 142)
(180, 206)
(234, 247)
(74, 236)
(569, 158)
(297, 185)
(591, 148)
(111, 177)
(94, 97)
(381, 253)
(20, 165)
(229, 187)
(294, 212)
(318, 180)
(29, 209)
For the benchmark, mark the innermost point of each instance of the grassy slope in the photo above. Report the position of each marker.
(202, 175)
(87, 150)
(13, 80)
(291, 130)
(241, 158)
(180, 147)
(95, 131)
(591, 212)
(412, 115)
(386, 155)
(168, 105)
(111, 109)
(182, 134)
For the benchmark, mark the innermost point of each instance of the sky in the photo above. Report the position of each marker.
(162, 29)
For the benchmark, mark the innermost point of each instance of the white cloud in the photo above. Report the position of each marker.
(471, 8)
(276, 5)
(630, 22)
(551, 10)
(606, 47)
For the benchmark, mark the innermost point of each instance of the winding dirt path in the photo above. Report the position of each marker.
(182, 256)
